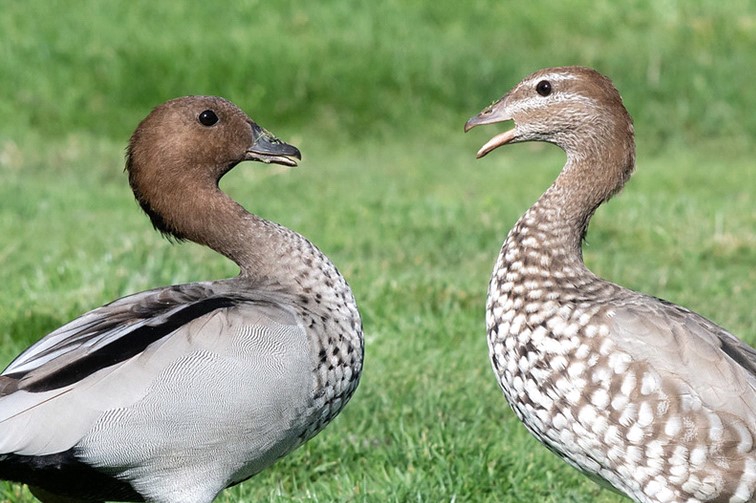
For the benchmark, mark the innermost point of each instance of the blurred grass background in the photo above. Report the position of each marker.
(359, 67)
(375, 94)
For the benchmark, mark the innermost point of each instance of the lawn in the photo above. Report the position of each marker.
(375, 94)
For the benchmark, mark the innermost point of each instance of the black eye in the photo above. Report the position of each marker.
(208, 118)
(543, 88)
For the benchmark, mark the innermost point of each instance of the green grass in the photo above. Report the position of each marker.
(375, 95)
(361, 67)
(415, 231)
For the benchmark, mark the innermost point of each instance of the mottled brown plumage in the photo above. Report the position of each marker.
(647, 396)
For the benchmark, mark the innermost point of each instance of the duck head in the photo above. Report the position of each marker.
(183, 148)
(574, 107)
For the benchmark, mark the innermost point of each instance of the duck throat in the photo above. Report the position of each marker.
(551, 232)
(223, 225)
(198, 211)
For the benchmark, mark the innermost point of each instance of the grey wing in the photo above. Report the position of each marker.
(103, 326)
(238, 382)
(54, 392)
(682, 345)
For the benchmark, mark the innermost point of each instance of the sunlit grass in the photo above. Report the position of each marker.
(415, 231)
(362, 68)
(375, 94)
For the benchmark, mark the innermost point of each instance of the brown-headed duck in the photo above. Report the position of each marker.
(174, 394)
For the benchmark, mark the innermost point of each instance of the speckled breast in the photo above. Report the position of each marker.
(337, 369)
(593, 404)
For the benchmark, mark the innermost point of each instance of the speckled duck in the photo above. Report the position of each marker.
(647, 396)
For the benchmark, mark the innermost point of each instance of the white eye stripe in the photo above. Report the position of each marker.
(551, 77)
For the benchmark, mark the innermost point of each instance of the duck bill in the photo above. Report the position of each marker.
(269, 149)
(491, 115)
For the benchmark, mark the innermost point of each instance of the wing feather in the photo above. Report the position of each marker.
(702, 356)
(53, 393)
(108, 323)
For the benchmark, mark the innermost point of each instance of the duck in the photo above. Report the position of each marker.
(644, 396)
(176, 393)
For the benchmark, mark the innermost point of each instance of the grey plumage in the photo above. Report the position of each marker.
(173, 394)
(636, 392)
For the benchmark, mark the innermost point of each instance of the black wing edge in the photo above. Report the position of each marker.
(124, 347)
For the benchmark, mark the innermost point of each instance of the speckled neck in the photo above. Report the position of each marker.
(552, 230)
(279, 262)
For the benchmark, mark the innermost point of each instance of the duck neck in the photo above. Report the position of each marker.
(261, 249)
(554, 227)
(244, 238)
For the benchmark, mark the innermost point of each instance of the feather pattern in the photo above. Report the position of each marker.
(173, 394)
(640, 394)
(110, 334)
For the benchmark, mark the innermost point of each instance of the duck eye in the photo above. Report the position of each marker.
(543, 88)
(208, 118)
